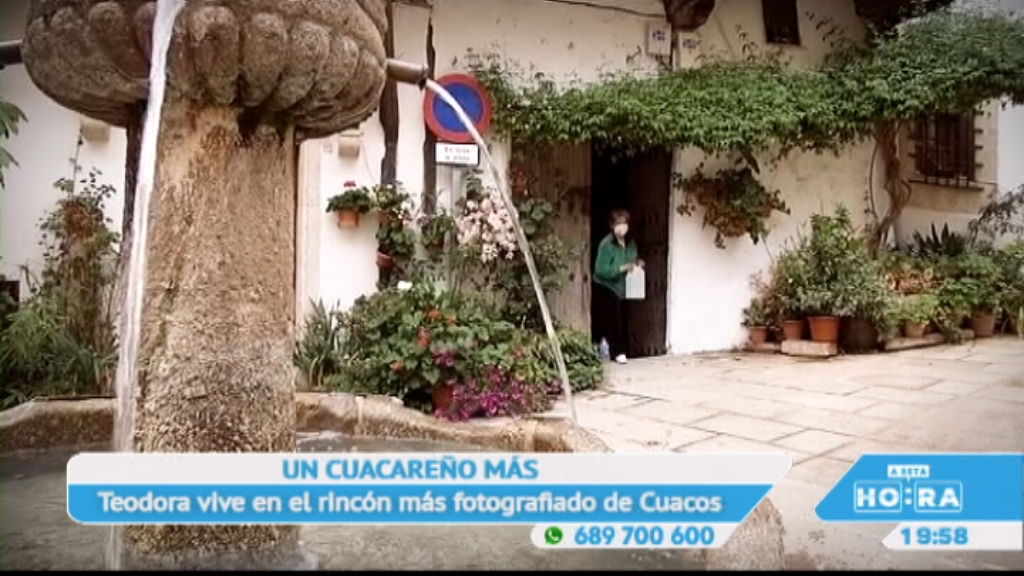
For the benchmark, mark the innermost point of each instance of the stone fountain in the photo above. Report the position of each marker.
(246, 81)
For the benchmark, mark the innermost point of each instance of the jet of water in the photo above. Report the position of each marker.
(520, 238)
(125, 380)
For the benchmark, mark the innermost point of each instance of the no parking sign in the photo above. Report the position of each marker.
(442, 119)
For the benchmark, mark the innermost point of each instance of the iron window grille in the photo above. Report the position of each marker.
(945, 150)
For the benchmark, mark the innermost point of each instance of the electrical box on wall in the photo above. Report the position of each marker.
(659, 39)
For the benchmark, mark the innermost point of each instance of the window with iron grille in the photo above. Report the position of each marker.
(944, 150)
(781, 22)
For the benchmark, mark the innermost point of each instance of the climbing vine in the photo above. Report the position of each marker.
(734, 202)
(941, 63)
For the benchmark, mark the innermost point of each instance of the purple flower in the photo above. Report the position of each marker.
(444, 358)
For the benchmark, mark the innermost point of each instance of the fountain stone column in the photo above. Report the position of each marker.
(247, 79)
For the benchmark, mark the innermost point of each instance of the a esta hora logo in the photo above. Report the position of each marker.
(909, 487)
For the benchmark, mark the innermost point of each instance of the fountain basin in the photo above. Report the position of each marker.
(37, 439)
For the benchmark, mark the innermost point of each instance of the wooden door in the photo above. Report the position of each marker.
(649, 188)
(561, 175)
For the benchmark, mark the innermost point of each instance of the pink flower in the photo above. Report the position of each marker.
(350, 184)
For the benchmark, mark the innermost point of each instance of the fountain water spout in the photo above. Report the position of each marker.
(408, 73)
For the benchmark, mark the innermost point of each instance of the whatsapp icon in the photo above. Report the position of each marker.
(553, 535)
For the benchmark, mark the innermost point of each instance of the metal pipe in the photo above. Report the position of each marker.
(10, 53)
(408, 73)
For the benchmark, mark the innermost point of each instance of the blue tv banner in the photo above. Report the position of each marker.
(941, 501)
(574, 500)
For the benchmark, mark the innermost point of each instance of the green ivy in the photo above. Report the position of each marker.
(940, 63)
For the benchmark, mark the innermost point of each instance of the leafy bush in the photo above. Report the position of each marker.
(61, 340)
(40, 356)
(404, 343)
(317, 354)
(757, 314)
(582, 363)
(831, 273)
(918, 308)
(490, 260)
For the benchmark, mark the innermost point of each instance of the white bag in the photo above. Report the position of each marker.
(635, 284)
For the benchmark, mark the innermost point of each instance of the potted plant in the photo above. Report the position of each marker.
(394, 241)
(756, 318)
(392, 202)
(435, 232)
(864, 292)
(788, 278)
(350, 204)
(916, 312)
(836, 270)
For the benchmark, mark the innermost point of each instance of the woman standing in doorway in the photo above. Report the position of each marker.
(616, 257)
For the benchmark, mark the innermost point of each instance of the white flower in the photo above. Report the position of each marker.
(403, 285)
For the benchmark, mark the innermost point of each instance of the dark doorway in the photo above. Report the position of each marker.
(640, 184)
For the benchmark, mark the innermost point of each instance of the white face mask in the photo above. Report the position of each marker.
(620, 230)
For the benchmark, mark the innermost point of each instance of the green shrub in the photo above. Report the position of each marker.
(582, 363)
(404, 343)
(39, 356)
(918, 308)
(61, 340)
(317, 354)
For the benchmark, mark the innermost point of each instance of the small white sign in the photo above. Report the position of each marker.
(457, 154)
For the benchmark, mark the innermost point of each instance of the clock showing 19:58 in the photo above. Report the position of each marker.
(960, 536)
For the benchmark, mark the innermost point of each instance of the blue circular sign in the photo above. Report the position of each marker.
(442, 119)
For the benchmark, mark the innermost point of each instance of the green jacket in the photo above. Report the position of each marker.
(611, 257)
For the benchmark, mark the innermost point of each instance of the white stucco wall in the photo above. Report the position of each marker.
(43, 148)
(708, 287)
(569, 43)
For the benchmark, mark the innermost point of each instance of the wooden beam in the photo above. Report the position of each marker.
(429, 140)
(389, 108)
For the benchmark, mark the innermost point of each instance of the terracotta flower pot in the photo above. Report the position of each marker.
(442, 397)
(347, 218)
(793, 329)
(384, 260)
(824, 328)
(915, 329)
(858, 336)
(758, 334)
(983, 324)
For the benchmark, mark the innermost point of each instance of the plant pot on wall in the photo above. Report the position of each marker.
(824, 328)
(384, 260)
(347, 218)
(758, 334)
(793, 329)
(983, 324)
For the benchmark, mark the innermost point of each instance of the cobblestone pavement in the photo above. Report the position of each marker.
(968, 397)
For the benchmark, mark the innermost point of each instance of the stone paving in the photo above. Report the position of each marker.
(968, 397)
